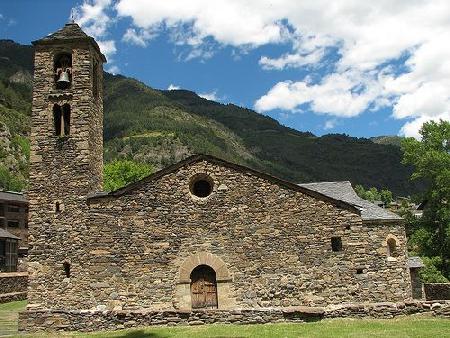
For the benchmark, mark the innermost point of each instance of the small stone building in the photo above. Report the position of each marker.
(201, 234)
(14, 216)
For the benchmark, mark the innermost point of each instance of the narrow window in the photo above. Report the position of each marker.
(66, 118)
(95, 78)
(336, 244)
(57, 207)
(61, 119)
(57, 119)
(391, 247)
(66, 269)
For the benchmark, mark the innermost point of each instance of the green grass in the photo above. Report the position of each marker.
(412, 326)
(8, 316)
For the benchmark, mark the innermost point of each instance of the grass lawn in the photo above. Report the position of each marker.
(413, 326)
(8, 316)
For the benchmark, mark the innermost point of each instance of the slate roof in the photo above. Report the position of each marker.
(71, 32)
(12, 196)
(415, 262)
(7, 234)
(343, 191)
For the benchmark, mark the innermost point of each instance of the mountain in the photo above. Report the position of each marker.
(392, 140)
(162, 127)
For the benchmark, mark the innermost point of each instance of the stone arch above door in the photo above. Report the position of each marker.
(203, 258)
(225, 295)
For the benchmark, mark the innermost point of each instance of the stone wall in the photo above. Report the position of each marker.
(437, 291)
(116, 320)
(13, 286)
(13, 282)
(416, 283)
(274, 242)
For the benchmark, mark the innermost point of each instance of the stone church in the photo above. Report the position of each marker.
(200, 236)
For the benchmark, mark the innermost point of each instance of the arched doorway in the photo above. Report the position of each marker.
(203, 288)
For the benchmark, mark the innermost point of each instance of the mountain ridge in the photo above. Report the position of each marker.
(161, 127)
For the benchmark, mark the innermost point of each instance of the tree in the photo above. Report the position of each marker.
(373, 194)
(431, 160)
(119, 173)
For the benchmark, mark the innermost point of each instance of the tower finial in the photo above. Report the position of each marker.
(72, 16)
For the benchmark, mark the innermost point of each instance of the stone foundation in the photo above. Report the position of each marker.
(437, 291)
(12, 297)
(39, 320)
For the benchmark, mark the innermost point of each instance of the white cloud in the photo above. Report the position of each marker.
(173, 87)
(136, 37)
(344, 95)
(229, 22)
(368, 41)
(108, 47)
(411, 128)
(330, 124)
(92, 18)
(113, 69)
(212, 96)
(291, 60)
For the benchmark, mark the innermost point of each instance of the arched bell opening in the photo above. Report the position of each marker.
(62, 68)
(203, 288)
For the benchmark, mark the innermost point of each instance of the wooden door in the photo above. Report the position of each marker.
(203, 288)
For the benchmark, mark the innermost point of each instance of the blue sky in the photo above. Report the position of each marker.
(322, 66)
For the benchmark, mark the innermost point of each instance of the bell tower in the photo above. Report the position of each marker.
(66, 160)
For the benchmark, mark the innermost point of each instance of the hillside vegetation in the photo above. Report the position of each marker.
(162, 127)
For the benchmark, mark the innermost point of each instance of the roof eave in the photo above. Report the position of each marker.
(50, 42)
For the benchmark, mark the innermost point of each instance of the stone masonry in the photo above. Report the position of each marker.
(271, 244)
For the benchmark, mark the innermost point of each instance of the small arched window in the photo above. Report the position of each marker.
(391, 247)
(66, 267)
(61, 119)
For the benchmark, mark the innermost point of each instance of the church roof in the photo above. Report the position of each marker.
(7, 234)
(343, 191)
(211, 159)
(71, 32)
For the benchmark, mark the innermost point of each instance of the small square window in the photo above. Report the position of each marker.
(13, 224)
(13, 208)
(336, 244)
(359, 271)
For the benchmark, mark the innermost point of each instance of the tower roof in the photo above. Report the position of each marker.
(71, 32)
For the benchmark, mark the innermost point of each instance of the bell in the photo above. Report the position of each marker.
(63, 78)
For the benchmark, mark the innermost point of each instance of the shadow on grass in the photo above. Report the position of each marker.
(140, 334)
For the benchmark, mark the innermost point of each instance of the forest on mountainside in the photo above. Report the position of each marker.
(158, 128)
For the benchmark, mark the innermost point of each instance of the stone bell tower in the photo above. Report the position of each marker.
(66, 159)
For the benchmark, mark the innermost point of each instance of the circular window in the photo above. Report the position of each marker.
(201, 186)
